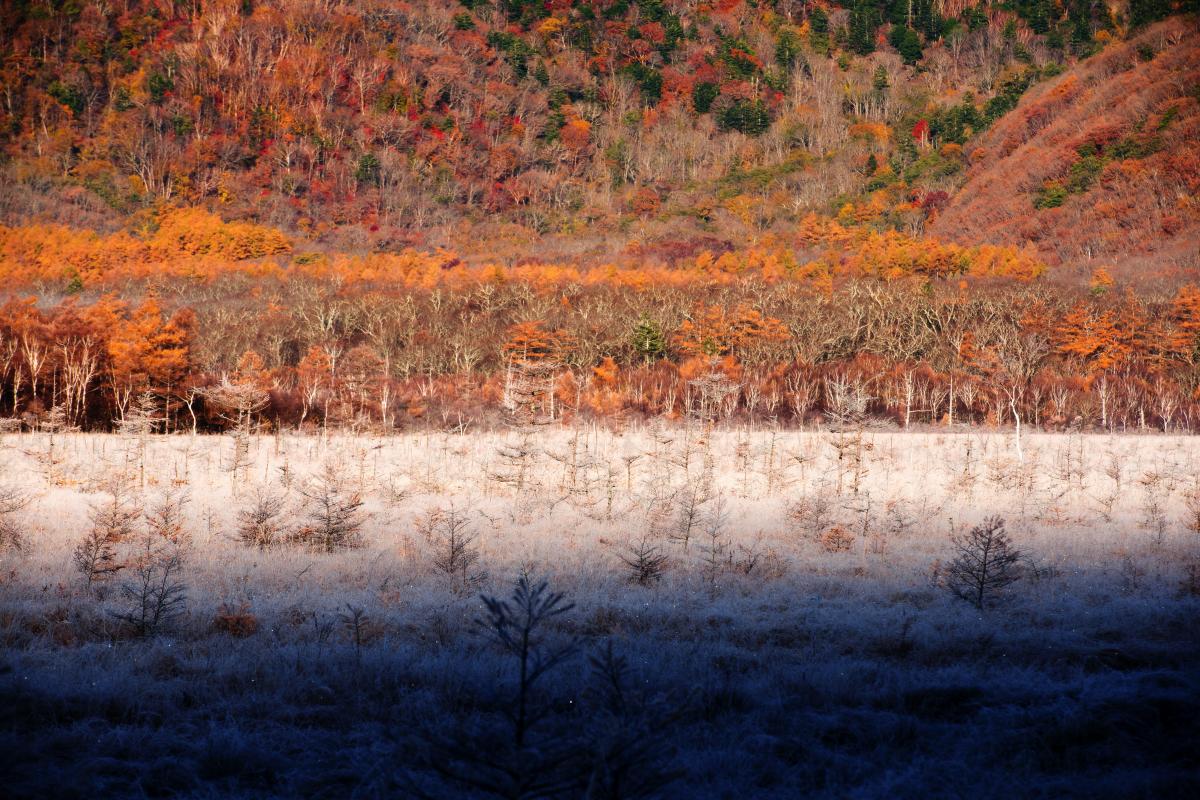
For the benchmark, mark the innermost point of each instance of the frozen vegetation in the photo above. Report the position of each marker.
(661, 612)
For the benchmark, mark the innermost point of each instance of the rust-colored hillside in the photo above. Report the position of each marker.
(1099, 167)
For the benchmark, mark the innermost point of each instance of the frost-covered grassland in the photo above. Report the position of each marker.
(756, 614)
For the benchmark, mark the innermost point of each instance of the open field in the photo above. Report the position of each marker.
(755, 614)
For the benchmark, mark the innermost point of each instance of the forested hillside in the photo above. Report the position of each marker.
(522, 129)
(1100, 166)
(373, 212)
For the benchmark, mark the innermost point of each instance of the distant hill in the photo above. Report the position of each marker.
(1099, 167)
(582, 131)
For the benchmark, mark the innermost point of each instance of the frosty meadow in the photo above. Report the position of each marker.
(660, 612)
(613, 400)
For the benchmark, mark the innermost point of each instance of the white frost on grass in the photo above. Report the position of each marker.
(834, 665)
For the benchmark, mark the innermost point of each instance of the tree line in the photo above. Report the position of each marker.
(318, 351)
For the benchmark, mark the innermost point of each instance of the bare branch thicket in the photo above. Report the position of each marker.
(712, 396)
(529, 397)
(54, 424)
(755, 559)
(1156, 490)
(690, 504)
(986, 562)
(846, 401)
(260, 522)
(964, 482)
(773, 467)
(335, 516)
(899, 519)
(12, 501)
(851, 449)
(813, 512)
(1191, 502)
(112, 523)
(453, 540)
(1107, 501)
(134, 427)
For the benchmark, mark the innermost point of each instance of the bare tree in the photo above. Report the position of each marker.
(96, 554)
(237, 402)
(716, 555)
(846, 400)
(155, 593)
(986, 562)
(455, 552)
(135, 426)
(334, 513)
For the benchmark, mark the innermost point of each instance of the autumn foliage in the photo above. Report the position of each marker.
(361, 215)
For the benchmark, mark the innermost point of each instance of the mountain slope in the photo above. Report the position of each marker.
(1099, 167)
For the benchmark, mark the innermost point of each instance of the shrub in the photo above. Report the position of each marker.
(1052, 195)
(96, 554)
(455, 553)
(238, 622)
(260, 523)
(154, 593)
(12, 500)
(837, 540)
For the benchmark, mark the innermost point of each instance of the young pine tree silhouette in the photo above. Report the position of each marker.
(986, 562)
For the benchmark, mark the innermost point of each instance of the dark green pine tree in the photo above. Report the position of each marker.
(818, 22)
(924, 20)
(1143, 12)
(1039, 14)
(879, 81)
(907, 43)
(863, 21)
(1080, 17)
(648, 340)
